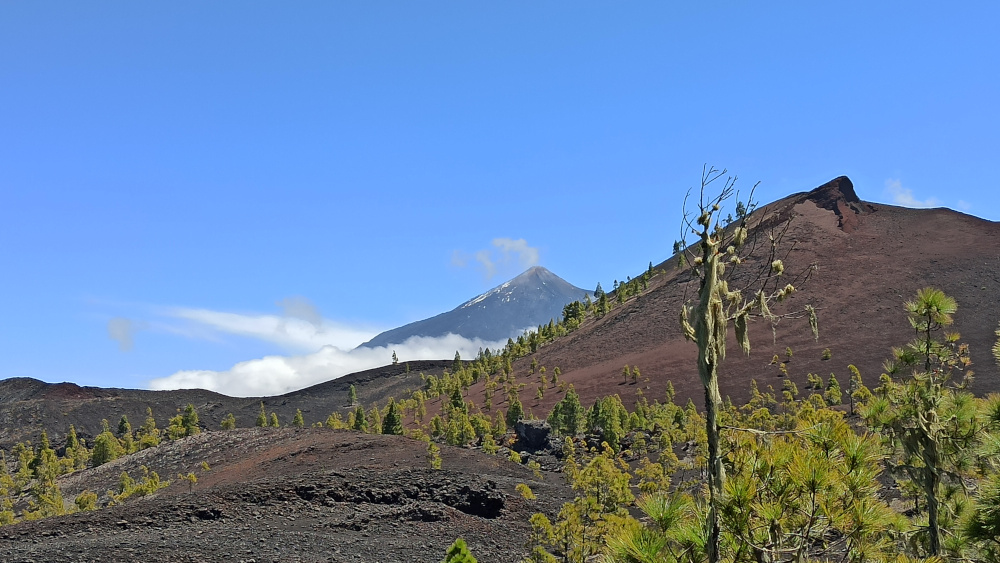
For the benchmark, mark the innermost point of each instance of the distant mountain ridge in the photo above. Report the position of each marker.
(532, 298)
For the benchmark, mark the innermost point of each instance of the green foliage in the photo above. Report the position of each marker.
(515, 411)
(598, 511)
(175, 427)
(929, 420)
(86, 501)
(357, 419)
(525, 491)
(375, 420)
(833, 394)
(229, 422)
(191, 479)
(335, 421)
(434, 455)
(352, 395)
(128, 487)
(609, 420)
(393, 422)
(459, 553)
(274, 422)
(261, 417)
(489, 445)
(148, 434)
(190, 421)
(106, 448)
(567, 416)
(298, 421)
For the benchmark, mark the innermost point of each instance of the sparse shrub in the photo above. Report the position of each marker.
(434, 455)
(85, 501)
(459, 553)
(191, 479)
(525, 491)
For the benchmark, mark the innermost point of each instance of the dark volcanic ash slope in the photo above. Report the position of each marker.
(296, 495)
(530, 299)
(28, 405)
(870, 259)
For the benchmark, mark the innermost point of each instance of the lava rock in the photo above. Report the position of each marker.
(533, 434)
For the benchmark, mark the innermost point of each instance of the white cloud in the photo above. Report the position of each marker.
(904, 196)
(300, 329)
(963, 205)
(123, 330)
(526, 256)
(505, 254)
(273, 375)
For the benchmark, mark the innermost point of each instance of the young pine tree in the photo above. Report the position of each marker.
(261, 417)
(393, 422)
(927, 415)
(189, 419)
(148, 434)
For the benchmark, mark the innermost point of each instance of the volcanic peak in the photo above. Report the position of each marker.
(838, 195)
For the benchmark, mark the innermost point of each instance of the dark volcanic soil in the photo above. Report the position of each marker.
(28, 405)
(296, 495)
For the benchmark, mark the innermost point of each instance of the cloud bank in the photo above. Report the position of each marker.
(274, 375)
(904, 196)
(299, 332)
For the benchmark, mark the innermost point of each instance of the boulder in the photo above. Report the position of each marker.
(533, 434)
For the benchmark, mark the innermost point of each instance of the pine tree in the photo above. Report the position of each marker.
(106, 447)
(261, 417)
(175, 427)
(515, 411)
(274, 420)
(375, 419)
(927, 415)
(352, 396)
(833, 394)
(298, 421)
(190, 421)
(393, 423)
(395, 359)
(229, 422)
(124, 428)
(566, 417)
(148, 433)
(360, 422)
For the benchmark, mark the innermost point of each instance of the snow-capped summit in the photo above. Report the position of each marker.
(532, 298)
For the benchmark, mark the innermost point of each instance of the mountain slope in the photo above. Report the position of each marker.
(530, 299)
(870, 258)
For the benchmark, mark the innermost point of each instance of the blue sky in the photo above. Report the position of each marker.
(187, 188)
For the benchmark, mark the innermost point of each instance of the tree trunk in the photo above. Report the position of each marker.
(710, 335)
(931, 481)
(716, 473)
